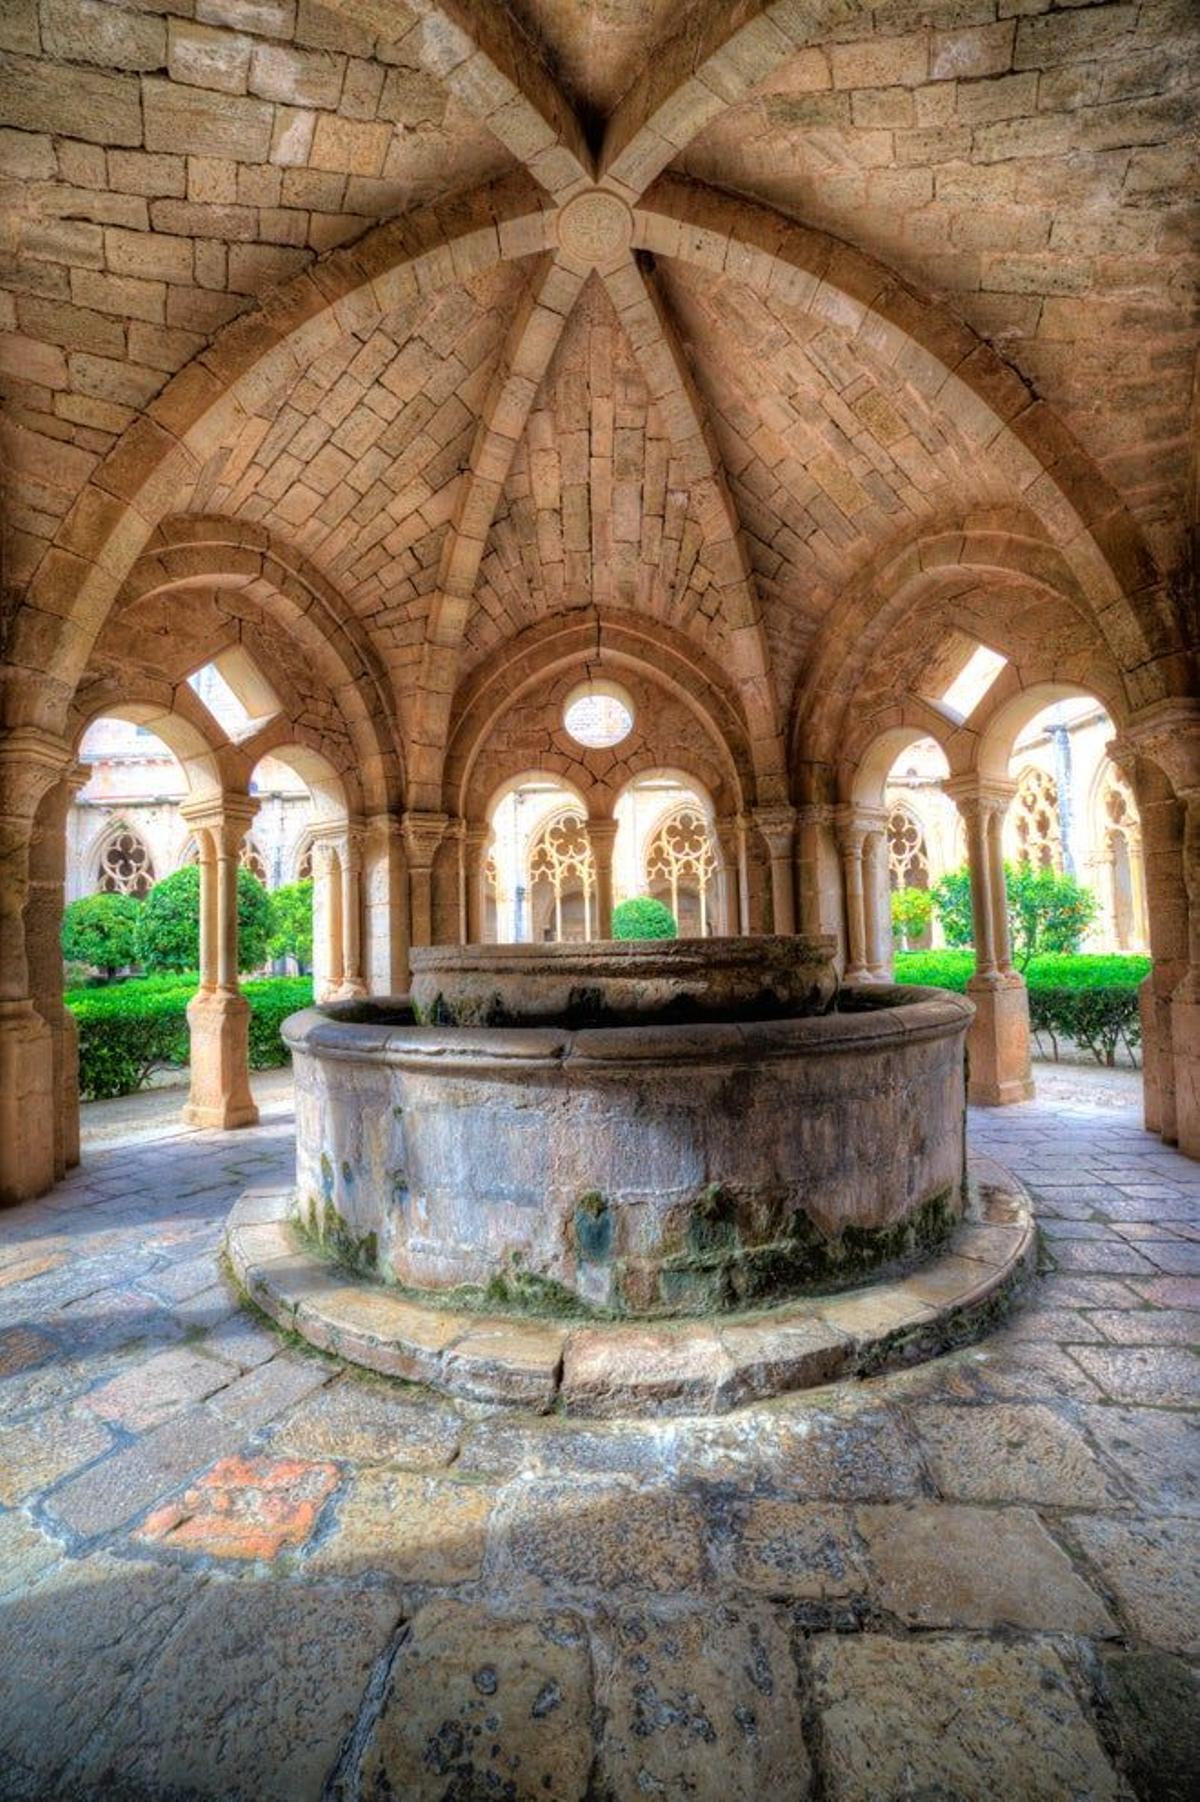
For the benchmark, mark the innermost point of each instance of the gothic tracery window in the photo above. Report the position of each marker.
(125, 867)
(1034, 820)
(681, 864)
(908, 856)
(561, 857)
(251, 858)
(1119, 841)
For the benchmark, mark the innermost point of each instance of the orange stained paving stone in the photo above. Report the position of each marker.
(245, 1508)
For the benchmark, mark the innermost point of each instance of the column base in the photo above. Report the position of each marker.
(998, 1046)
(27, 1104)
(220, 1083)
(1185, 1051)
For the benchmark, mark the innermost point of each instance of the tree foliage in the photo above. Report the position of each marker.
(912, 909)
(643, 918)
(292, 922)
(168, 931)
(1048, 910)
(101, 931)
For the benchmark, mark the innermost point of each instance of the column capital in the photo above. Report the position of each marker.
(777, 825)
(475, 836)
(423, 833)
(602, 836)
(1168, 732)
(215, 813)
(815, 813)
(854, 824)
(985, 794)
(31, 761)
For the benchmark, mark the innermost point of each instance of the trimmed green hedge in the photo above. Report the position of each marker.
(130, 1029)
(1090, 1000)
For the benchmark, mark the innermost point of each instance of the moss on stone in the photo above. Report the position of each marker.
(593, 1228)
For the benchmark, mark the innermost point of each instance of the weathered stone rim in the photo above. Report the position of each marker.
(895, 1012)
(611, 1368)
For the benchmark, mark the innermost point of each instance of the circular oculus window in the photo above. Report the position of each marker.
(598, 715)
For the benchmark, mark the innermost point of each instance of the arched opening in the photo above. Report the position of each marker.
(309, 853)
(537, 868)
(667, 848)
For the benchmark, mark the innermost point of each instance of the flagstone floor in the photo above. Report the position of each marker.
(229, 1570)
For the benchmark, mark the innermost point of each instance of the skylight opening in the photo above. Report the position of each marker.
(972, 682)
(235, 692)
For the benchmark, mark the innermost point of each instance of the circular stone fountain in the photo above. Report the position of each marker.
(567, 1172)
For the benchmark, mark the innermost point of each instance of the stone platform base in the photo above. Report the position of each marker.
(626, 1367)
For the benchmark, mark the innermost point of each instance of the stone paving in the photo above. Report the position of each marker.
(229, 1570)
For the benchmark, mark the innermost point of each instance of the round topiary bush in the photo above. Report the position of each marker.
(101, 931)
(168, 928)
(643, 918)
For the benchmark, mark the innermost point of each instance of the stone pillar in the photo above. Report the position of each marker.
(219, 1014)
(423, 834)
(876, 900)
(778, 828)
(1169, 733)
(43, 928)
(998, 1045)
(475, 842)
(602, 837)
(337, 913)
(729, 837)
(385, 886)
(811, 819)
(851, 836)
(31, 763)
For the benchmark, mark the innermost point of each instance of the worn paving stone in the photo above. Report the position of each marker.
(244, 1508)
(124, 1484)
(26, 1553)
(44, 1450)
(23, 1348)
(1011, 1453)
(481, 1705)
(938, 1565)
(795, 1550)
(272, 1722)
(69, 1645)
(1155, 1701)
(242, 1340)
(808, 1452)
(1150, 1326)
(149, 1393)
(1167, 1375)
(1014, 1370)
(608, 1538)
(953, 1717)
(507, 1445)
(1156, 1452)
(1152, 1568)
(266, 1391)
(700, 1705)
(417, 1529)
(363, 1422)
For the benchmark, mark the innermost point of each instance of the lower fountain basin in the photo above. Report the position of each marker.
(653, 1169)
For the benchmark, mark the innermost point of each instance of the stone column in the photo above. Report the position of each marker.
(811, 819)
(602, 837)
(1168, 732)
(998, 1045)
(219, 1014)
(778, 828)
(385, 886)
(327, 914)
(43, 928)
(31, 762)
(729, 837)
(851, 836)
(422, 835)
(475, 842)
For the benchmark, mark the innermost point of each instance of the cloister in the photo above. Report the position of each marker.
(750, 367)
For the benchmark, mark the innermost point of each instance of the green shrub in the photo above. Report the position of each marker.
(1091, 1000)
(912, 909)
(133, 1028)
(292, 922)
(643, 918)
(101, 931)
(168, 931)
(1048, 910)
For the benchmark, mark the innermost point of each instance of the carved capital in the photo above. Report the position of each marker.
(778, 828)
(602, 836)
(31, 761)
(1169, 734)
(979, 795)
(423, 833)
(225, 817)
